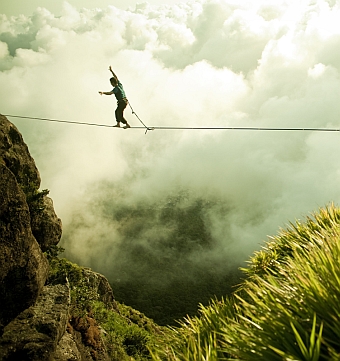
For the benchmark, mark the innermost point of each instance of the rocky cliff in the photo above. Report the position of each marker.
(23, 266)
(35, 315)
(52, 309)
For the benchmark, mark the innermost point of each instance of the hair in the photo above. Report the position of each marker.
(113, 80)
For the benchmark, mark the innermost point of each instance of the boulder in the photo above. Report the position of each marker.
(46, 226)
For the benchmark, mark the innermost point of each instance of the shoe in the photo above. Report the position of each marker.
(127, 126)
(116, 126)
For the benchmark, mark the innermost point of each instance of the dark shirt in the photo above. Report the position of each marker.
(118, 91)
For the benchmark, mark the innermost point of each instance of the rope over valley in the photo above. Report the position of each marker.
(179, 128)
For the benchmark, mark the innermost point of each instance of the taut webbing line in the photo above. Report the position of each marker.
(180, 128)
(57, 120)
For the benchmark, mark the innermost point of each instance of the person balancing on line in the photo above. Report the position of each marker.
(122, 102)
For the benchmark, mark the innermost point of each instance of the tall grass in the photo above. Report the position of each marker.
(287, 308)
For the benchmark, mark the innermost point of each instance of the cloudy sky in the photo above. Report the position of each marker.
(17, 7)
(220, 63)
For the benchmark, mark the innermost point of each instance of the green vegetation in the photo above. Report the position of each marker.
(128, 333)
(83, 295)
(287, 308)
(53, 252)
(35, 198)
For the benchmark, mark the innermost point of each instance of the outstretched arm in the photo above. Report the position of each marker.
(106, 93)
(113, 74)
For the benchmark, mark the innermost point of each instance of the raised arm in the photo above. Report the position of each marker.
(113, 74)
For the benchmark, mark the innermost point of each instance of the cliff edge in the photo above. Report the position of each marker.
(23, 266)
(52, 309)
(34, 314)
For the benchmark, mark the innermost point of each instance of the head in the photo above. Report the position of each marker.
(113, 81)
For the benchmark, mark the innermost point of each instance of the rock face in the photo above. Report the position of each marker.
(36, 332)
(101, 286)
(27, 218)
(46, 226)
(23, 266)
(35, 320)
(15, 156)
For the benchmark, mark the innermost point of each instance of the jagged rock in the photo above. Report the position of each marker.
(36, 332)
(15, 155)
(33, 318)
(46, 226)
(26, 215)
(23, 266)
(101, 287)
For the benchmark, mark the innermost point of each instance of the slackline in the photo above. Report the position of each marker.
(180, 128)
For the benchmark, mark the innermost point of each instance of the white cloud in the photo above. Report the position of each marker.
(317, 70)
(199, 63)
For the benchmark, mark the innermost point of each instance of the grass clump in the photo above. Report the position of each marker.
(126, 340)
(287, 308)
(34, 197)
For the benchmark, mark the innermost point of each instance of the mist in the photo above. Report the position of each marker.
(178, 204)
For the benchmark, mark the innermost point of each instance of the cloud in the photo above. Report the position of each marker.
(198, 63)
